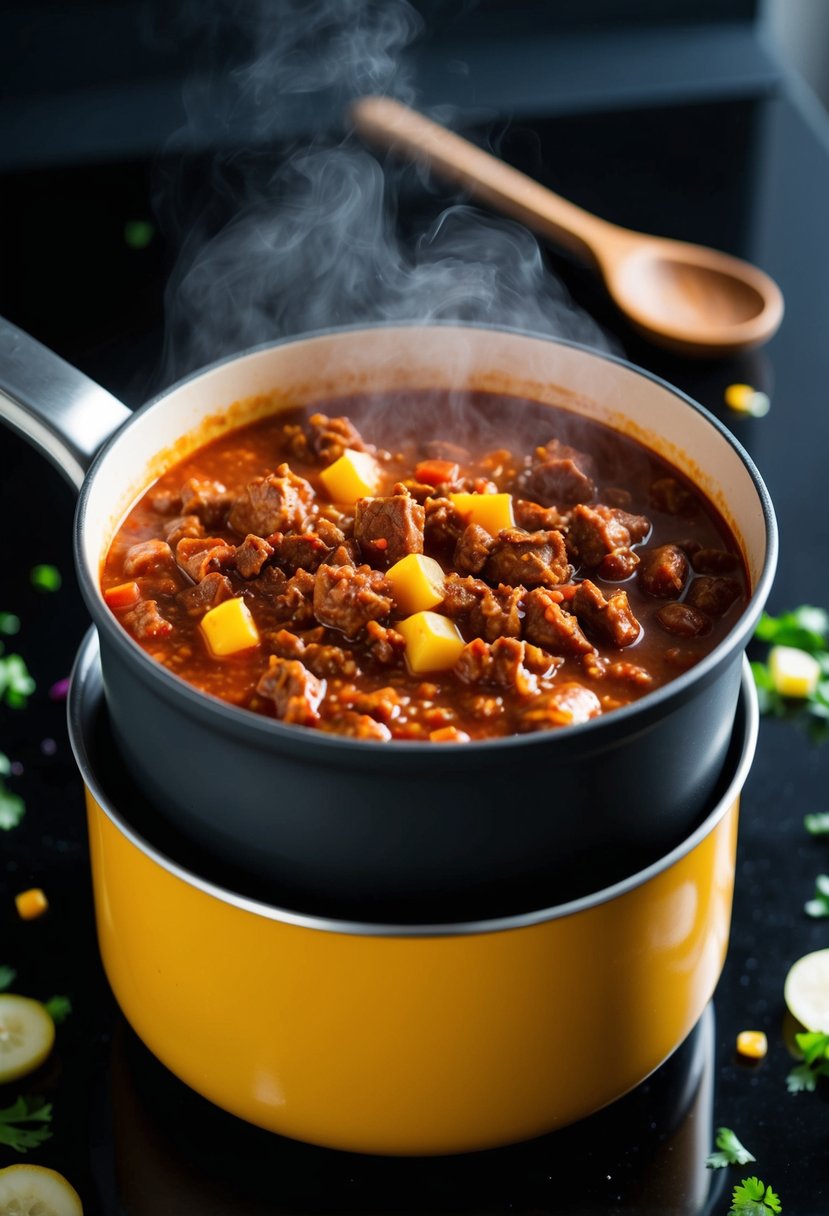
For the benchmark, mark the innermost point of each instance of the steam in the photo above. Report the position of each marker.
(287, 244)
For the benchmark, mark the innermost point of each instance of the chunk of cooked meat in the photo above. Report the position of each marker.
(213, 589)
(300, 550)
(564, 705)
(663, 571)
(346, 598)
(252, 555)
(593, 533)
(384, 644)
(322, 440)
(489, 613)
(207, 499)
(473, 549)
(500, 663)
(387, 529)
(145, 621)
(535, 518)
(528, 559)
(610, 620)
(684, 620)
(320, 658)
(713, 595)
(199, 556)
(444, 525)
(548, 625)
(181, 526)
(148, 557)
(560, 476)
(280, 502)
(293, 690)
(671, 496)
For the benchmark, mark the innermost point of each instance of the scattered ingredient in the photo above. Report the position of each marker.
(24, 1110)
(817, 824)
(138, 233)
(354, 475)
(815, 1048)
(27, 1034)
(798, 665)
(730, 1151)
(45, 578)
(7, 977)
(490, 511)
(752, 1044)
(433, 642)
(9, 624)
(34, 1189)
(12, 807)
(806, 991)
(125, 595)
(31, 904)
(58, 1008)
(59, 690)
(744, 399)
(16, 683)
(819, 906)
(753, 1198)
(417, 583)
(794, 673)
(229, 628)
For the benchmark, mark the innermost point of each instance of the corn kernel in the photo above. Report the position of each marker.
(433, 642)
(354, 475)
(752, 1044)
(417, 582)
(31, 904)
(747, 400)
(490, 511)
(794, 672)
(229, 628)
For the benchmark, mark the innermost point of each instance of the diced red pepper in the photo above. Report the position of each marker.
(435, 472)
(125, 595)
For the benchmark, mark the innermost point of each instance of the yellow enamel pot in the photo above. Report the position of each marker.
(403, 1039)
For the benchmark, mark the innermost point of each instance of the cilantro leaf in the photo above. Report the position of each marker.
(802, 1080)
(732, 1152)
(45, 577)
(25, 1110)
(819, 906)
(9, 624)
(814, 1044)
(817, 824)
(805, 628)
(12, 808)
(815, 1048)
(7, 977)
(58, 1008)
(753, 1198)
(16, 683)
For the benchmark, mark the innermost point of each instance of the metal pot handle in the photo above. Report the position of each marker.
(43, 398)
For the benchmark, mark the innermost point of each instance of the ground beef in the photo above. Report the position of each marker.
(145, 621)
(199, 556)
(671, 496)
(531, 559)
(713, 595)
(181, 526)
(346, 598)
(320, 658)
(293, 598)
(322, 440)
(279, 502)
(382, 704)
(565, 705)
(294, 691)
(560, 475)
(387, 529)
(148, 557)
(300, 550)
(535, 518)
(663, 572)
(489, 613)
(500, 663)
(357, 726)
(548, 625)
(251, 555)
(608, 620)
(212, 590)
(444, 525)
(209, 500)
(385, 645)
(684, 620)
(472, 550)
(593, 533)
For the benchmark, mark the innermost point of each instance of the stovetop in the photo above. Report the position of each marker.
(750, 176)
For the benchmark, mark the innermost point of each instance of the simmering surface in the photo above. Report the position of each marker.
(608, 575)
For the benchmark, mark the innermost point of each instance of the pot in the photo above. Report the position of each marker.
(398, 828)
(391, 1038)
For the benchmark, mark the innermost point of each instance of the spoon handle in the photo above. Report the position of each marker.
(387, 123)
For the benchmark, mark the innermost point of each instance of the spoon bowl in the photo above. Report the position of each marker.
(689, 298)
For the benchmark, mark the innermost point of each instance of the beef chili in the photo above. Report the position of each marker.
(331, 567)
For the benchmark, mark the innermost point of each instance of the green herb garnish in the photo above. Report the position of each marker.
(138, 233)
(58, 1008)
(731, 1151)
(45, 578)
(807, 629)
(815, 1048)
(753, 1198)
(9, 624)
(7, 977)
(819, 906)
(25, 1110)
(817, 824)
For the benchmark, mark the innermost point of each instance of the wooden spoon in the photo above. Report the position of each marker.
(689, 298)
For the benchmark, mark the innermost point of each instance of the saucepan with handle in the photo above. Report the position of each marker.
(407, 829)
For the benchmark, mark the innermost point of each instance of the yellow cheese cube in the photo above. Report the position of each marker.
(229, 628)
(31, 904)
(752, 1044)
(433, 642)
(416, 582)
(491, 511)
(794, 672)
(355, 475)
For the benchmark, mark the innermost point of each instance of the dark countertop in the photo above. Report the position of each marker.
(749, 176)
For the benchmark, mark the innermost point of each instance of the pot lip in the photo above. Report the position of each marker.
(330, 748)
(86, 691)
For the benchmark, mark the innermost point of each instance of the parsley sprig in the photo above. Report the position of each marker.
(804, 628)
(25, 1110)
(731, 1151)
(753, 1198)
(12, 806)
(815, 1048)
(819, 905)
(817, 824)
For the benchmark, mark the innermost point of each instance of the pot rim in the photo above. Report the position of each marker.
(241, 722)
(86, 690)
